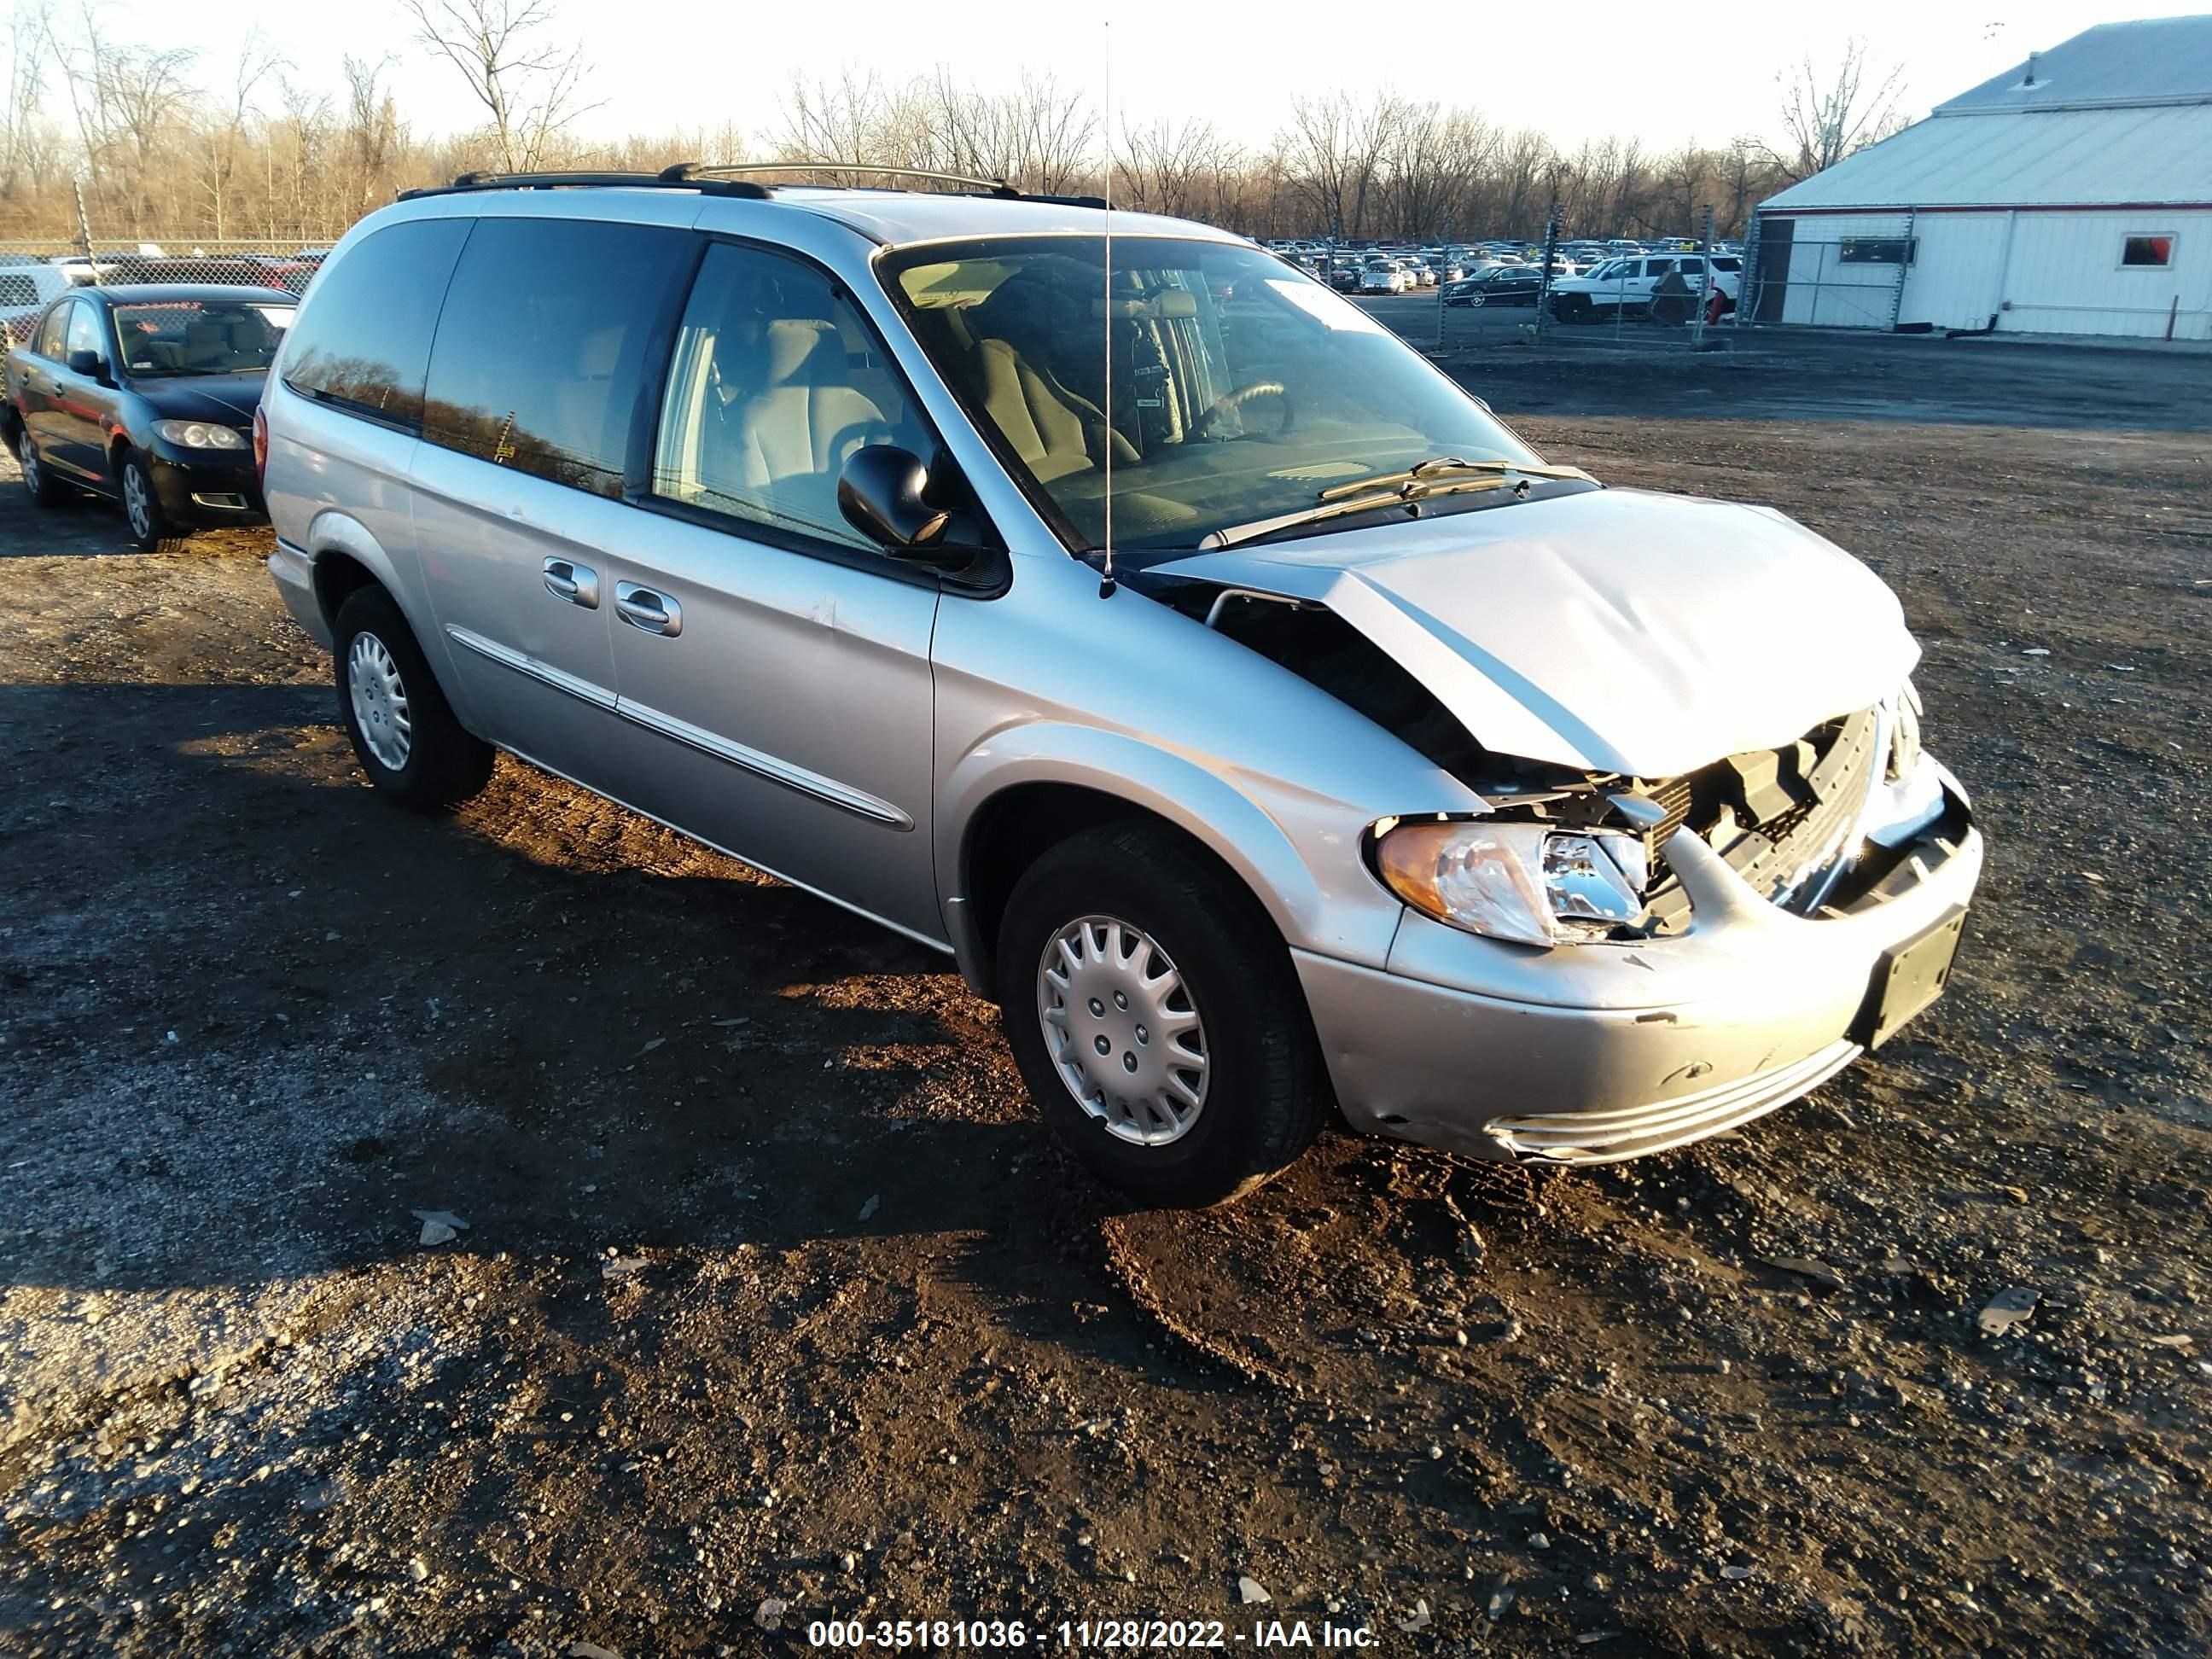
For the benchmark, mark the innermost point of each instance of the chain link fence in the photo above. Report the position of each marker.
(1854, 280)
(33, 274)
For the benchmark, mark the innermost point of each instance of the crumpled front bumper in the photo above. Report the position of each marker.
(1588, 1054)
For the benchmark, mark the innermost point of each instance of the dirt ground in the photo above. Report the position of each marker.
(772, 1289)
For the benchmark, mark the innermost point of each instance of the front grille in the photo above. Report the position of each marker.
(1773, 814)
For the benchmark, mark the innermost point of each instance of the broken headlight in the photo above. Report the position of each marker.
(1904, 735)
(1532, 883)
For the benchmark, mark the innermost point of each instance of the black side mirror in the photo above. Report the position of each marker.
(880, 491)
(87, 362)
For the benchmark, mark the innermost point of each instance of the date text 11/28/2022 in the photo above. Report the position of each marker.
(1126, 1635)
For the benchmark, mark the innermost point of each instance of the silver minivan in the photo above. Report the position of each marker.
(1253, 717)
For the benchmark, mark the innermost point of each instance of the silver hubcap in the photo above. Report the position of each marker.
(27, 455)
(134, 500)
(1122, 1030)
(380, 702)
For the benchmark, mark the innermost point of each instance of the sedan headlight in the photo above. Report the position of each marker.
(1533, 882)
(199, 434)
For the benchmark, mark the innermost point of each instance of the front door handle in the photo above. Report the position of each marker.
(641, 607)
(578, 583)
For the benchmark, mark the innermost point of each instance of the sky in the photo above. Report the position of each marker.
(1574, 69)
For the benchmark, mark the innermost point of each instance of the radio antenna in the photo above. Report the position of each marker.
(1106, 582)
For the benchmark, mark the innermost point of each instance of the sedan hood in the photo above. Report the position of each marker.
(221, 399)
(1613, 631)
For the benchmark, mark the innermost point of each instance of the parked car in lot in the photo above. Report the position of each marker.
(1496, 285)
(1381, 275)
(1354, 758)
(145, 395)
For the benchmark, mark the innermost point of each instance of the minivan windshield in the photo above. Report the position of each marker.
(1241, 389)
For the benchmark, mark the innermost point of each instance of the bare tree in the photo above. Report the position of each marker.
(372, 125)
(22, 143)
(222, 139)
(1337, 150)
(1830, 113)
(852, 119)
(529, 86)
(141, 93)
(1169, 169)
(1746, 173)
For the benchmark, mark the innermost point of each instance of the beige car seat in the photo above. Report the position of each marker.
(796, 419)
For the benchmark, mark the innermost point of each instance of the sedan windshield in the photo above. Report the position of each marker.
(1240, 389)
(198, 336)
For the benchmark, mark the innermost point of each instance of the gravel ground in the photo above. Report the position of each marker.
(771, 1290)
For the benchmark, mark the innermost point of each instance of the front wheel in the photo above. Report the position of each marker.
(403, 731)
(1156, 1017)
(142, 506)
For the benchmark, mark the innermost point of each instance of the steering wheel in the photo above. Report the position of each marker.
(1200, 428)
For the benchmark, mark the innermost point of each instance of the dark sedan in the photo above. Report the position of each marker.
(145, 394)
(1496, 285)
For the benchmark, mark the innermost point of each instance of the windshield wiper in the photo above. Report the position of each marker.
(1446, 466)
(1441, 477)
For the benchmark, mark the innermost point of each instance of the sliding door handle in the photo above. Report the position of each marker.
(578, 583)
(641, 607)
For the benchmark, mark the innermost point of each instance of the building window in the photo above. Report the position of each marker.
(2146, 252)
(1878, 250)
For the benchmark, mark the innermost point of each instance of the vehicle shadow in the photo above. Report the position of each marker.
(256, 1018)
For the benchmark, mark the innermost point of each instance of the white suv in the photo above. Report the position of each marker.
(1625, 287)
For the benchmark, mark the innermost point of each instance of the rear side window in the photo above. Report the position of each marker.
(18, 291)
(52, 330)
(364, 334)
(543, 345)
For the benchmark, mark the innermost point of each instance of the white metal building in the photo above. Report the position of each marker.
(2072, 195)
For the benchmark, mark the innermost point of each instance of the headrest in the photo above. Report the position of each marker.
(1168, 303)
(790, 342)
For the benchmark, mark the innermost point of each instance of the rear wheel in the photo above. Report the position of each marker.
(403, 731)
(43, 487)
(1156, 1017)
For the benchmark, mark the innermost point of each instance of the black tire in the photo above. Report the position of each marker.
(1263, 1096)
(43, 489)
(142, 506)
(1571, 308)
(442, 762)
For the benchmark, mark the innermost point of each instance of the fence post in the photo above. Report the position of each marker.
(1544, 275)
(84, 228)
(1706, 285)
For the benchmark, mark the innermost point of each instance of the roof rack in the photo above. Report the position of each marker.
(720, 180)
(995, 186)
(681, 177)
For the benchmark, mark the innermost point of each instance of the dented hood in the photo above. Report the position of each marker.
(1614, 629)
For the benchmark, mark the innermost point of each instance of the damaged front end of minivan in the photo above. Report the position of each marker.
(1645, 944)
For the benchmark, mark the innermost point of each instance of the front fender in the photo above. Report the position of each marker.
(1298, 851)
